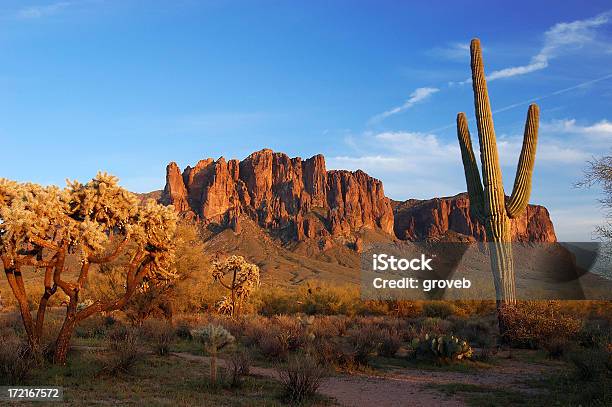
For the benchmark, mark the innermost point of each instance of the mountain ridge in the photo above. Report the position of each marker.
(300, 200)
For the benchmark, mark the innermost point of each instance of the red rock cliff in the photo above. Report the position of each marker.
(431, 219)
(300, 198)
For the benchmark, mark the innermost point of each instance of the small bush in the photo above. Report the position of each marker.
(301, 378)
(532, 323)
(127, 351)
(160, 333)
(479, 331)
(183, 331)
(434, 326)
(16, 362)
(591, 364)
(439, 309)
(365, 342)
(274, 346)
(239, 364)
(595, 334)
(390, 343)
(556, 347)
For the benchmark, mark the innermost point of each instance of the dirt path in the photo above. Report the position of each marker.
(408, 387)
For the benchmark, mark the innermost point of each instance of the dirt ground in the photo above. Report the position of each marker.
(402, 387)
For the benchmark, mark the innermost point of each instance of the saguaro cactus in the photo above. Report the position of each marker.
(490, 204)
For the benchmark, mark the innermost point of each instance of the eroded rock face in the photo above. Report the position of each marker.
(431, 219)
(302, 200)
(299, 198)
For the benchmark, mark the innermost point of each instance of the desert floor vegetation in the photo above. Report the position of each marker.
(295, 358)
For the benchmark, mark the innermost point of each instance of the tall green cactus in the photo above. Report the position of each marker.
(489, 204)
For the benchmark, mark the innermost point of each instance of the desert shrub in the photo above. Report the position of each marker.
(442, 348)
(439, 309)
(271, 301)
(273, 346)
(591, 364)
(330, 325)
(239, 364)
(479, 331)
(126, 348)
(531, 323)
(16, 362)
(485, 354)
(160, 334)
(93, 327)
(183, 331)
(434, 326)
(253, 330)
(301, 377)
(406, 309)
(327, 350)
(390, 342)
(365, 342)
(291, 331)
(325, 299)
(555, 347)
(11, 323)
(468, 308)
(597, 333)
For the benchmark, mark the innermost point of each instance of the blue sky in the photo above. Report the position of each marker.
(127, 86)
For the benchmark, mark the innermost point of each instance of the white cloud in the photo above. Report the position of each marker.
(558, 40)
(600, 131)
(417, 96)
(33, 12)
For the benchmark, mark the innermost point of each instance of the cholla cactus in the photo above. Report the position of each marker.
(99, 222)
(214, 338)
(243, 278)
(444, 347)
(489, 204)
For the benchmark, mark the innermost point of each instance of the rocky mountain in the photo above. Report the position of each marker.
(294, 198)
(299, 200)
(433, 218)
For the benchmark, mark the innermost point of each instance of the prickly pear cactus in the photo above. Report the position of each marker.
(443, 348)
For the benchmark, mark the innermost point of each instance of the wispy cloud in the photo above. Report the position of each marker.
(417, 96)
(33, 12)
(559, 39)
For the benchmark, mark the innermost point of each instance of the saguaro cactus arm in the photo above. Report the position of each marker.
(472, 175)
(494, 197)
(522, 181)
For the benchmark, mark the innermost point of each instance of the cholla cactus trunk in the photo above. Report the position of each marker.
(487, 199)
